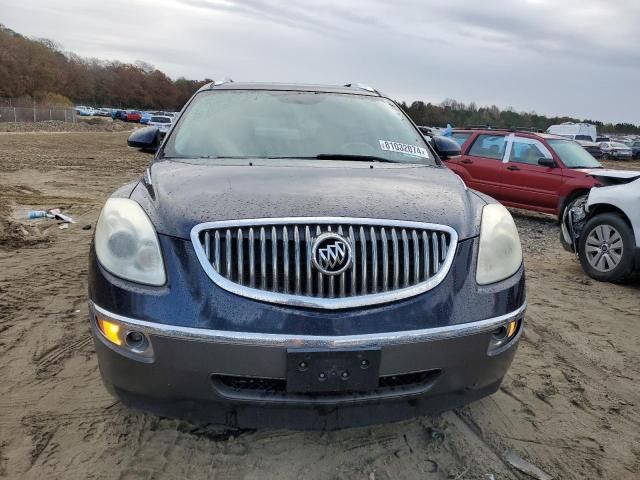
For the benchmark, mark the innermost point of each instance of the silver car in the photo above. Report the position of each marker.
(604, 229)
(615, 151)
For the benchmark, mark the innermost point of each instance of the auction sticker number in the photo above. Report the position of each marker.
(404, 148)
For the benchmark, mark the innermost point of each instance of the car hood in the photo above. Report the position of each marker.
(177, 195)
(604, 173)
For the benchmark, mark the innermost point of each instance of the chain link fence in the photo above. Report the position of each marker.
(17, 111)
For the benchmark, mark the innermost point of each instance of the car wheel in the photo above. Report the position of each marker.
(606, 248)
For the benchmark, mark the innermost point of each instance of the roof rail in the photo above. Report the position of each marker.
(217, 83)
(362, 87)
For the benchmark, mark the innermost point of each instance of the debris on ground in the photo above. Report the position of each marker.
(519, 463)
(53, 213)
(58, 215)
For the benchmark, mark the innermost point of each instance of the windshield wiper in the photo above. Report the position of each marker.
(205, 157)
(354, 158)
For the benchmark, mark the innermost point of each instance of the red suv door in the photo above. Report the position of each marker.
(480, 165)
(526, 183)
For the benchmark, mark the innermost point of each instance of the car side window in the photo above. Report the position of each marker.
(460, 137)
(489, 146)
(527, 151)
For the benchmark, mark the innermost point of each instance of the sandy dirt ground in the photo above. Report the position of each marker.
(570, 404)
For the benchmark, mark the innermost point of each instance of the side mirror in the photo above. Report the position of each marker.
(547, 162)
(147, 139)
(445, 147)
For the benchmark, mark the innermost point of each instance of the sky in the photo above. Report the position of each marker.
(557, 57)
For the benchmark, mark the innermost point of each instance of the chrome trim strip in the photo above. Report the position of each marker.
(324, 303)
(312, 341)
(307, 239)
(416, 256)
(263, 259)
(374, 259)
(252, 266)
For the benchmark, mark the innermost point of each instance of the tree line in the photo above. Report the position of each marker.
(465, 115)
(40, 70)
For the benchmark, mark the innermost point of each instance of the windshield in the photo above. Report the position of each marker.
(160, 120)
(287, 124)
(573, 155)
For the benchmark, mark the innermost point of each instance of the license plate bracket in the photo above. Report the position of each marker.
(322, 370)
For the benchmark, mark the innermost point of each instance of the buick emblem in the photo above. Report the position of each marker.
(331, 253)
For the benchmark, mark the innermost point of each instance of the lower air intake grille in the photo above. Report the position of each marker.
(279, 386)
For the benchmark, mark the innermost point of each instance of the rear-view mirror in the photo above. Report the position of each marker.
(147, 139)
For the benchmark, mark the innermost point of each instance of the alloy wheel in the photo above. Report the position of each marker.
(604, 248)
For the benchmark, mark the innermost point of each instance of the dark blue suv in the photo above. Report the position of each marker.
(298, 256)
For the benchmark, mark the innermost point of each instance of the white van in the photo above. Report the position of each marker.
(575, 131)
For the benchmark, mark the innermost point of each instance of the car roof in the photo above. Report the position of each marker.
(507, 131)
(355, 89)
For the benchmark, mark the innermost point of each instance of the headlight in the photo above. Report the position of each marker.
(127, 244)
(500, 252)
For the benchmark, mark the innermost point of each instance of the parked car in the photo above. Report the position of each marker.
(102, 112)
(535, 171)
(119, 115)
(133, 116)
(615, 151)
(604, 230)
(145, 117)
(85, 111)
(635, 149)
(592, 147)
(298, 255)
(163, 123)
(577, 131)
(602, 139)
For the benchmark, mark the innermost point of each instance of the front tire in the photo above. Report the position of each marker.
(606, 248)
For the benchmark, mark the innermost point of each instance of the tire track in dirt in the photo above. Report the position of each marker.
(49, 362)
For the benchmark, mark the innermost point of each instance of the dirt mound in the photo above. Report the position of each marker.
(15, 235)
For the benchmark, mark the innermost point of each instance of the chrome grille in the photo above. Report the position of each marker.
(270, 259)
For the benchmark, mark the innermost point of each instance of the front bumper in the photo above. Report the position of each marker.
(187, 374)
(621, 156)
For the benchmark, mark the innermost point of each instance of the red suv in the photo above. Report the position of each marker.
(521, 169)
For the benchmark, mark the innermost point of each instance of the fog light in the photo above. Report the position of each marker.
(503, 335)
(110, 330)
(136, 340)
(121, 337)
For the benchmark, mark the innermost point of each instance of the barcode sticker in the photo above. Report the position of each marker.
(403, 148)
